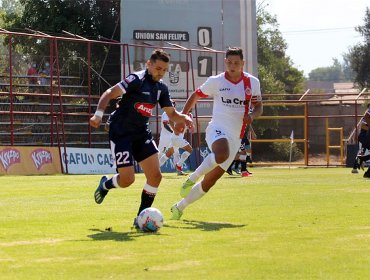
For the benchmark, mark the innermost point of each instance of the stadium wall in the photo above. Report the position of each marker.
(57, 114)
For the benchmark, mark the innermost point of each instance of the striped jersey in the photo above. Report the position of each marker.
(231, 100)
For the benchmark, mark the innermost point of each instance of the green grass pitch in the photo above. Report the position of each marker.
(279, 224)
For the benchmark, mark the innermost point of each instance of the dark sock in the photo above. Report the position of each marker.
(236, 166)
(109, 184)
(248, 159)
(229, 169)
(243, 166)
(146, 200)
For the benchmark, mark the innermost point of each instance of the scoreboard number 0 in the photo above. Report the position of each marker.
(204, 62)
(205, 37)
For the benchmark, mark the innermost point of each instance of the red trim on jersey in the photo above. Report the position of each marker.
(200, 93)
(227, 77)
(248, 96)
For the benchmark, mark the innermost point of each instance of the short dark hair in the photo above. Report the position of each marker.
(234, 51)
(159, 54)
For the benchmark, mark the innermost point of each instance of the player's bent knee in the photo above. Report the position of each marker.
(126, 181)
(155, 179)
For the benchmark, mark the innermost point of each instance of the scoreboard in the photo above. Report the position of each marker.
(200, 25)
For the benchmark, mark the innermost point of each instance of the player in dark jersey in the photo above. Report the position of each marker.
(129, 134)
(362, 140)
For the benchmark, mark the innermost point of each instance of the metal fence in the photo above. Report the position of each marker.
(55, 107)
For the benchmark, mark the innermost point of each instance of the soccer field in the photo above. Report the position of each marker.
(279, 224)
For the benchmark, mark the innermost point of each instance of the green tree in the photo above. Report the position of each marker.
(359, 55)
(348, 73)
(276, 70)
(92, 19)
(333, 73)
(11, 6)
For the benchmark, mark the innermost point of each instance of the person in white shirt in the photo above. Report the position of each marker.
(237, 102)
(165, 138)
(177, 141)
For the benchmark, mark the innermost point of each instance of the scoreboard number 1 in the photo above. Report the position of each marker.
(204, 66)
(204, 36)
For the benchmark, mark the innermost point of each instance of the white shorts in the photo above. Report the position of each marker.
(178, 141)
(164, 142)
(214, 133)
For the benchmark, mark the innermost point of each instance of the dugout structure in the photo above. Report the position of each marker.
(57, 113)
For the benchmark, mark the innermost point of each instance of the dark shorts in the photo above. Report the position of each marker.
(127, 149)
(365, 140)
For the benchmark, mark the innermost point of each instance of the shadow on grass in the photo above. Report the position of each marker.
(174, 177)
(205, 226)
(109, 234)
(234, 176)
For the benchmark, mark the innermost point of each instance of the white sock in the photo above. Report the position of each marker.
(114, 182)
(163, 159)
(183, 157)
(150, 189)
(207, 165)
(195, 194)
(176, 157)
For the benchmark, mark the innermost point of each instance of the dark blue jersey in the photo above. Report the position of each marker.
(136, 105)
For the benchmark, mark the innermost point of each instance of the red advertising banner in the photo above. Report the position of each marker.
(29, 160)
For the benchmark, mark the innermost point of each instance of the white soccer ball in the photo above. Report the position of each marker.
(150, 219)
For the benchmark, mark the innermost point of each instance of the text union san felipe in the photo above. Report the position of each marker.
(161, 36)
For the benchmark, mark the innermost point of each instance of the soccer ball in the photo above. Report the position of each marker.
(150, 219)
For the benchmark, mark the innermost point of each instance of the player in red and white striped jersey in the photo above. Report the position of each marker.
(237, 101)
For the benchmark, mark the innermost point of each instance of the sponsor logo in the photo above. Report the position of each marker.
(87, 159)
(224, 89)
(204, 153)
(174, 77)
(248, 93)
(144, 109)
(130, 78)
(234, 101)
(41, 157)
(9, 156)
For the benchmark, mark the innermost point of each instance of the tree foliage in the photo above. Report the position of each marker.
(12, 6)
(91, 19)
(333, 73)
(276, 70)
(359, 55)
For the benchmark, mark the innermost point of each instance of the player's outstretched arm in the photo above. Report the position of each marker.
(108, 95)
(180, 120)
(190, 103)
